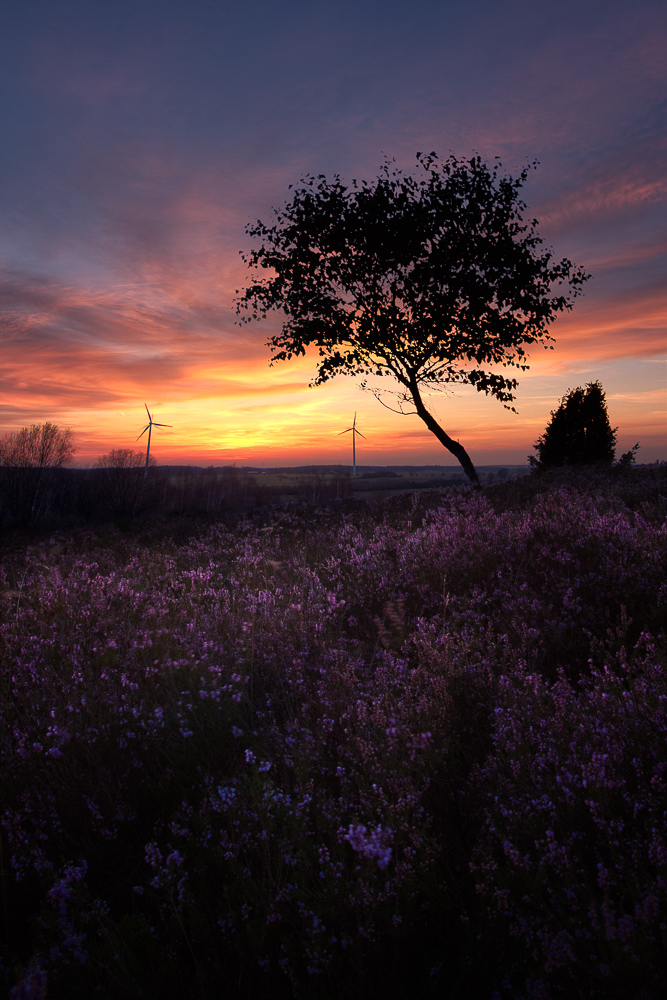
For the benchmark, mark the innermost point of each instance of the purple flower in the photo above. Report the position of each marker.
(373, 845)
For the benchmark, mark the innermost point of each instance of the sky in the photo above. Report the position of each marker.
(141, 137)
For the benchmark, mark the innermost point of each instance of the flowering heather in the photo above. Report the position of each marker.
(409, 747)
(574, 852)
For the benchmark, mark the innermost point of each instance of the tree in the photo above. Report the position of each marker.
(121, 481)
(431, 280)
(26, 458)
(579, 432)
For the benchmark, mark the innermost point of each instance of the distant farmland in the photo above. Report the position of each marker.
(75, 496)
(371, 481)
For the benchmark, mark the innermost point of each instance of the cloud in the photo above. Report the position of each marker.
(627, 177)
(632, 325)
(111, 342)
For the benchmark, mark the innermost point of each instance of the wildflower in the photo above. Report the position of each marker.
(371, 845)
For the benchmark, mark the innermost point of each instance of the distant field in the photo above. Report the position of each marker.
(371, 481)
(67, 497)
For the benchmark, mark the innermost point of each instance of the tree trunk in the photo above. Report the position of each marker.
(457, 450)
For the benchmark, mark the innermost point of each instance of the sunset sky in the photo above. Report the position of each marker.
(139, 137)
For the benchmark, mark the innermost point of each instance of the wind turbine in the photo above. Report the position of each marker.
(149, 427)
(354, 430)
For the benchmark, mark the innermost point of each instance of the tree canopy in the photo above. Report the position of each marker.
(431, 279)
(579, 432)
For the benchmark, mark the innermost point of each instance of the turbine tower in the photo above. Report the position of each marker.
(355, 431)
(149, 427)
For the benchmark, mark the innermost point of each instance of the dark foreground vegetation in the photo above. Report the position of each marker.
(57, 498)
(49, 499)
(408, 747)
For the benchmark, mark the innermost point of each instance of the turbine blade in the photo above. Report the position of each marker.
(143, 432)
(345, 432)
(162, 425)
(362, 435)
(147, 411)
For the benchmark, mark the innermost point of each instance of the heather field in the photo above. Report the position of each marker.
(411, 747)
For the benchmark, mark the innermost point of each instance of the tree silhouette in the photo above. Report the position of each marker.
(431, 280)
(27, 458)
(579, 432)
(121, 482)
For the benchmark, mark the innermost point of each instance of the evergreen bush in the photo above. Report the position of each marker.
(579, 432)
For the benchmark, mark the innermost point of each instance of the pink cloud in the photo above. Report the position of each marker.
(607, 195)
(633, 325)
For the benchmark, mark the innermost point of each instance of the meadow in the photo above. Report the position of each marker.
(412, 746)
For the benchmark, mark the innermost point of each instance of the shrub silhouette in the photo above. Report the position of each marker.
(579, 432)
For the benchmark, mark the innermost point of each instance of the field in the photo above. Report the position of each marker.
(318, 484)
(406, 746)
(51, 499)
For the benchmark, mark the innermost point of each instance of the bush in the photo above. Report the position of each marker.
(579, 432)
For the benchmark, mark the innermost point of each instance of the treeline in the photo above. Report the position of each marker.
(67, 497)
(38, 489)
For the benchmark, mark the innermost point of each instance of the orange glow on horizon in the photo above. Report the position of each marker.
(89, 356)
